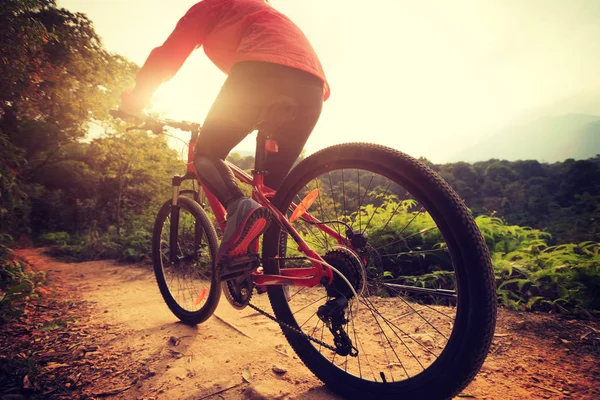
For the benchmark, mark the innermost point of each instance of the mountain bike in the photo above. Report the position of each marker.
(374, 267)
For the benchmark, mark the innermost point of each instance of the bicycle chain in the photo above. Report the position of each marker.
(284, 324)
(296, 330)
(283, 258)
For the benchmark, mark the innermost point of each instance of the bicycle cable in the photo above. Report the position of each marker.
(294, 329)
(341, 276)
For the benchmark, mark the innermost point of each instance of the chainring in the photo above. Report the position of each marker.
(238, 291)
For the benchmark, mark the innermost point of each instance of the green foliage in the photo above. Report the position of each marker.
(54, 238)
(533, 275)
(17, 284)
(130, 248)
(245, 163)
(134, 171)
(97, 199)
(14, 206)
(561, 198)
(530, 273)
(57, 80)
(131, 244)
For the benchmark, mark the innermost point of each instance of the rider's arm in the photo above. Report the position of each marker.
(164, 61)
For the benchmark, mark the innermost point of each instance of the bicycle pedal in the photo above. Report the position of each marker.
(237, 266)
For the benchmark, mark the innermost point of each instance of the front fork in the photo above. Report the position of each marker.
(174, 226)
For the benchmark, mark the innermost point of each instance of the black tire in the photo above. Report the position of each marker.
(475, 312)
(197, 264)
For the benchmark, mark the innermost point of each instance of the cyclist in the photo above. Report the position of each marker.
(275, 83)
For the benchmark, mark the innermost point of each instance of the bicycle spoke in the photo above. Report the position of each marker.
(321, 338)
(361, 200)
(396, 338)
(388, 340)
(337, 228)
(311, 230)
(408, 237)
(413, 252)
(423, 318)
(378, 207)
(426, 306)
(322, 215)
(358, 205)
(362, 349)
(308, 319)
(343, 196)
(299, 291)
(189, 276)
(389, 324)
(305, 307)
(393, 214)
(404, 333)
(416, 289)
(409, 222)
(355, 341)
(389, 362)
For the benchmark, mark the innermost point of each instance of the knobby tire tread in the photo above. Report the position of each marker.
(187, 317)
(471, 343)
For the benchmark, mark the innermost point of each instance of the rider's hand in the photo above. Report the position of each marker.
(132, 103)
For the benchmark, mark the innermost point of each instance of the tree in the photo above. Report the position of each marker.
(134, 170)
(55, 79)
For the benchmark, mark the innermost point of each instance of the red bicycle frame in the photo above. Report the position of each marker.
(288, 276)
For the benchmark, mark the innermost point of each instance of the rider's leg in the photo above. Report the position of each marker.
(250, 88)
(291, 137)
(223, 129)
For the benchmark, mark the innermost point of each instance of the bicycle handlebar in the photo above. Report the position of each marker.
(119, 114)
(154, 124)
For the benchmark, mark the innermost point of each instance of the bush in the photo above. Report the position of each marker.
(17, 284)
(530, 273)
(131, 247)
(54, 238)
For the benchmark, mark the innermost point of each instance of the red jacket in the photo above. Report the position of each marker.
(230, 31)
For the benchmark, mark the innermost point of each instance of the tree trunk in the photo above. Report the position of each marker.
(119, 199)
(119, 196)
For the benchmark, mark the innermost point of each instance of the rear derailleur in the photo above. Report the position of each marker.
(332, 313)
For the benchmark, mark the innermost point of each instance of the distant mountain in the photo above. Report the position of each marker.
(547, 139)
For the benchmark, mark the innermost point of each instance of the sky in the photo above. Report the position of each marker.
(424, 77)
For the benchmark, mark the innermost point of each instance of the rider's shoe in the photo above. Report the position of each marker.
(246, 221)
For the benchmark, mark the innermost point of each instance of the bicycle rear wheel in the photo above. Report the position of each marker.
(426, 309)
(190, 285)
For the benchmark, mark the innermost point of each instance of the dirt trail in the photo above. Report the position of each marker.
(532, 356)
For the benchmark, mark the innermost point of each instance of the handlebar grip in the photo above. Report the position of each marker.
(180, 125)
(183, 125)
(120, 114)
(154, 125)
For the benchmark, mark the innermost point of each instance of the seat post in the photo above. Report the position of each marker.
(261, 152)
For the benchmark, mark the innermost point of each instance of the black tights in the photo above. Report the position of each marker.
(283, 102)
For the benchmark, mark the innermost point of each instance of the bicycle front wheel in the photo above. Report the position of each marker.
(187, 281)
(425, 314)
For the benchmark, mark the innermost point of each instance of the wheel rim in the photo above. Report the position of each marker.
(404, 320)
(189, 279)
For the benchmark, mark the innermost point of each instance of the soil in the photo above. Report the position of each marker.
(103, 331)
